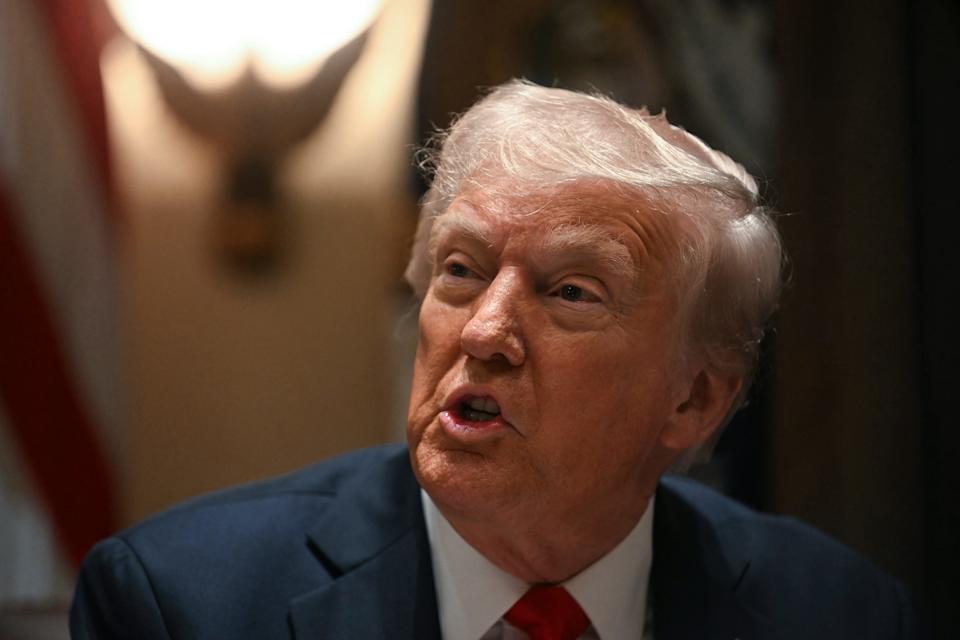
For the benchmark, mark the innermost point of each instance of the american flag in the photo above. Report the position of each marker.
(59, 399)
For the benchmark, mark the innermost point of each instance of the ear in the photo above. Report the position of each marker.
(701, 410)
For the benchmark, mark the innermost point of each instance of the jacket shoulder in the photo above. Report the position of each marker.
(237, 555)
(785, 571)
(744, 535)
(270, 512)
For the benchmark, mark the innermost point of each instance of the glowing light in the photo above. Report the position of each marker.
(213, 41)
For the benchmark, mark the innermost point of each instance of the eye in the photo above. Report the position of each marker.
(571, 293)
(575, 293)
(457, 270)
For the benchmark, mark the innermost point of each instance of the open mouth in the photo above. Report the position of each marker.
(478, 409)
(474, 416)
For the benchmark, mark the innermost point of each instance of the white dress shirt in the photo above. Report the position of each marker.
(473, 594)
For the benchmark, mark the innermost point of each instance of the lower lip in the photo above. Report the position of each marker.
(470, 431)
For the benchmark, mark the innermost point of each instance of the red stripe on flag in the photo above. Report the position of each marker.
(46, 413)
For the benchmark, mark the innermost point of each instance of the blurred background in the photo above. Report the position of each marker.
(205, 209)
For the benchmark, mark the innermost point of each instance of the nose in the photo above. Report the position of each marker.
(493, 330)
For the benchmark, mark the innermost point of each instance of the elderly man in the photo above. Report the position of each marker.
(595, 283)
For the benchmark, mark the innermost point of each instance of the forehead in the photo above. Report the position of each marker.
(591, 217)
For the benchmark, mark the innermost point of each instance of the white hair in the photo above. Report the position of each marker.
(727, 267)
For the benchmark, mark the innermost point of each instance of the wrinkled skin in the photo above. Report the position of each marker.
(556, 308)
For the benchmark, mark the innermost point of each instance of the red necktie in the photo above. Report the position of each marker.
(548, 613)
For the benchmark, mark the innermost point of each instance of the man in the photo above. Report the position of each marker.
(594, 287)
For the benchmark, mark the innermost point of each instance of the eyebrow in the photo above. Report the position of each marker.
(455, 223)
(571, 241)
(589, 242)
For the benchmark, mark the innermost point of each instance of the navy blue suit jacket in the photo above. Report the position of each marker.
(340, 551)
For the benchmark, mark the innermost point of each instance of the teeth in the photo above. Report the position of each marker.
(487, 405)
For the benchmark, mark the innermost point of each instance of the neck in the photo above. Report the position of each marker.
(551, 552)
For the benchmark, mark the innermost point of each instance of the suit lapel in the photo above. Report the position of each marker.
(694, 578)
(374, 543)
(383, 598)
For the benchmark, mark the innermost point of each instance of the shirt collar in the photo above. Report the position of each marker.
(613, 590)
(473, 593)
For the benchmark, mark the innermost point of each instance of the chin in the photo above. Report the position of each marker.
(460, 482)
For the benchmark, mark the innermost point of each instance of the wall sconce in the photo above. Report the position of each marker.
(253, 78)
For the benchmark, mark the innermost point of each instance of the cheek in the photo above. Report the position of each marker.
(606, 399)
(588, 371)
(437, 352)
(579, 393)
(436, 324)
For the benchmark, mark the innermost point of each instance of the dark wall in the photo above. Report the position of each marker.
(845, 442)
(860, 432)
(934, 66)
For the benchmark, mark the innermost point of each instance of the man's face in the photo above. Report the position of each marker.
(547, 371)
